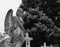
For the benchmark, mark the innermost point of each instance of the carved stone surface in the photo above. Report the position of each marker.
(14, 28)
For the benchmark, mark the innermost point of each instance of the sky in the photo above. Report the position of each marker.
(5, 5)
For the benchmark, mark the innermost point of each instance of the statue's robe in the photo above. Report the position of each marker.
(14, 28)
(18, 33)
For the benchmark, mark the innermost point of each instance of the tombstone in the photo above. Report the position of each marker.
(51, 45)
(44, 45)
(28, 39)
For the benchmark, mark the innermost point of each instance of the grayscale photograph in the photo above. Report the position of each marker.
(29, 23)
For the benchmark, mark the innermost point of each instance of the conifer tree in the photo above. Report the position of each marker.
(40, 20)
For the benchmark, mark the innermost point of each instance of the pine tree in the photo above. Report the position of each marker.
(40, 20)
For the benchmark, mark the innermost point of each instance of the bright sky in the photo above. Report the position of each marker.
(5, 5)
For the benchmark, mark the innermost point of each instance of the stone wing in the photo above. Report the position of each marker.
(8, 23)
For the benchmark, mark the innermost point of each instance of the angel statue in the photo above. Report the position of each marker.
(14, 28)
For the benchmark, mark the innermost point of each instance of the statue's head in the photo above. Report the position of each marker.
(19, 12)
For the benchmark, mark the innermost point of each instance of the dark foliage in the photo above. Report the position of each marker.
(42, 19)
(50, 7)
